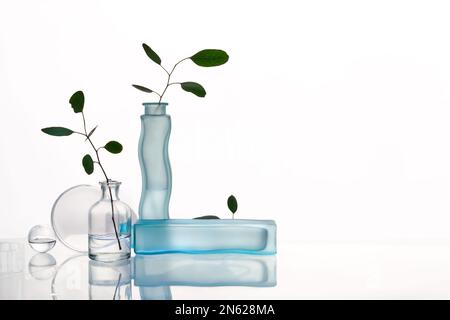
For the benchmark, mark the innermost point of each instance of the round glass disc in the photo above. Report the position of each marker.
(70, 216)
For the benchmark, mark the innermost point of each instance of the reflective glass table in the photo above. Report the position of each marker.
(65, 274)
(300, 270)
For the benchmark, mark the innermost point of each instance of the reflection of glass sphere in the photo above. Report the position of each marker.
(42, 266)
(41, 238)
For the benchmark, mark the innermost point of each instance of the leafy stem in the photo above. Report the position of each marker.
(77, 103)
(169, 74)
(106, 177)
(203, 58)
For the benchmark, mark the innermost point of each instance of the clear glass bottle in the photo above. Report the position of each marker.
(105, 228)
(154, 162)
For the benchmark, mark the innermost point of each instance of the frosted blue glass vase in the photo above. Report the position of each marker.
(205, 236)
(154, 161)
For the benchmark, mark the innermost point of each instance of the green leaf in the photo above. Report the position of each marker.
(57, 131)
(194, 88)
(151, 54)
(232, 204)
(210, 58)
(88, 164)
(208, 217)
(142, 88)
(77, 101)
(91, 132)
(114, 147)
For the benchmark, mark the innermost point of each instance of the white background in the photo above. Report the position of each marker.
(330, 117)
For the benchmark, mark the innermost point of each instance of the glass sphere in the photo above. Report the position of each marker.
(41, 238)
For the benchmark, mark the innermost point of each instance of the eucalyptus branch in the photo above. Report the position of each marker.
(203, 58)
(176, 64)
(77, 103)
(107, 180)
(169, 74)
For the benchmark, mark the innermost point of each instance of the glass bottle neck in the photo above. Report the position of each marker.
(110, 190)
(155, 108)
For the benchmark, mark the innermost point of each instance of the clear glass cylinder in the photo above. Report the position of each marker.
(109, 226)
(154, 161)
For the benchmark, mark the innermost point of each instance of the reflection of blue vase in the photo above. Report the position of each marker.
(205, 270)
(155, 293)
(154, 161)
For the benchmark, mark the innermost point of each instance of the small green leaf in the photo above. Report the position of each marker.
(77, 101)
(208, 217)
(88, 164)
(151, 54)
(91, 132)
(57, 131)
(232, 204)
(114, 147)
(210, 58)
(194, 88)
(142, 88)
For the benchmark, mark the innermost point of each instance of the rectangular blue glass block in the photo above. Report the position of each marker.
(205, 236)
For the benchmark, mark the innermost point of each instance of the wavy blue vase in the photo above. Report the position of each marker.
(154, 161)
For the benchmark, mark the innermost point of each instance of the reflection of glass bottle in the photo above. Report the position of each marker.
(105, 228)
(154, 160)
(110, 281)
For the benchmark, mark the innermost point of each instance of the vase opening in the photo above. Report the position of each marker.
(155, 108)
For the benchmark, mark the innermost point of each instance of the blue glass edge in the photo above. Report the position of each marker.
(221, 251)
(203, 221)
(212, 284)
